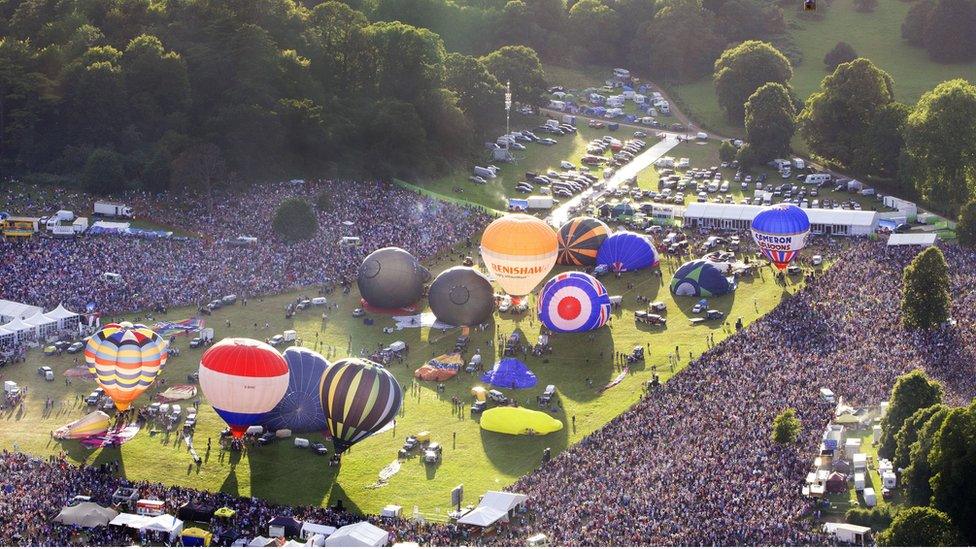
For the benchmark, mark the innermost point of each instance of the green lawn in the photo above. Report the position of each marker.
(481, 461)
(875, 36)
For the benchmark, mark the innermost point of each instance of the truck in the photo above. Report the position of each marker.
(540, 202)
(112, 209)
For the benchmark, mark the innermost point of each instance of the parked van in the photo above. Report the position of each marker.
(712, 186)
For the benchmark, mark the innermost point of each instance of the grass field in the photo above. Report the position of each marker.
(875, 36)
(480, 460)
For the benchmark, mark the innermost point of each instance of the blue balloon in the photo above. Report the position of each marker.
(627, 251)
(573, 302)
(781, 232)
(301, 408)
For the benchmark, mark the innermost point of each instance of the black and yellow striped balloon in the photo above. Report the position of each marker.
(580, 239)
(359, 397)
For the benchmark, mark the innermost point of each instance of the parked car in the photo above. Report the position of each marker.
(76, 347)
(276, 340)
(319, 448)
(196, 342)
(266, 438)
(495, 395)
(714, 314)
(432, 454)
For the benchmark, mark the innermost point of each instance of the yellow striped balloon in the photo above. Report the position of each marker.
(359, 397)
(125, 359)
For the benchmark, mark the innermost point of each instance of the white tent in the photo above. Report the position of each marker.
(6, 336)
(847, 533)
(42, 324)
(318, 540)
(293, 543)
(261, 541)
(309, 529)
(64, 317)
(10, 310)
(130, 521)
(494, 506)
(361, 534)
(85, 515)
(20, 329)
(912, 239)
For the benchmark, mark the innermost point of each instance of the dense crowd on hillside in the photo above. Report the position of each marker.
(692, 463)
(161, 272)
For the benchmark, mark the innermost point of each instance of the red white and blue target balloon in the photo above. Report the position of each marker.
(573, 302)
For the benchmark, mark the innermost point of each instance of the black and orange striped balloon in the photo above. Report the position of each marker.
(580, 239)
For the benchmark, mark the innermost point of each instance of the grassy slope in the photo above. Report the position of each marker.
(876, 36)
(480, 460)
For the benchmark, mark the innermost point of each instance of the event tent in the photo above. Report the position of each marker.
(494, 506)
(311, 529)
(162, 523)
(43, 325)
(86, 515)
(262, 541)
(282, 526)
(64, 317)
(20, 329)
(10, 310)
(194, 511)
(196, 537)
(361, 534)
(6, 336)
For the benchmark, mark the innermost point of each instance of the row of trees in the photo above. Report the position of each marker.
(118, 91)
(935, 447)
(677, 39)
(854, 121)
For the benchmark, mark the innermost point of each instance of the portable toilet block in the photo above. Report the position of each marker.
(870, 499)
(858, 481)
(876, 433)
(852, 446)
(889, 480)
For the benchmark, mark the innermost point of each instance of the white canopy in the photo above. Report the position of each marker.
(18, 326)
(361, 534)
(39, 319)
(60, 313)
(13, 309)
(164, 523)
(261, 541)
(129, 520)
(309, 529)
(494, 506)
(85, 515)
(912, 239)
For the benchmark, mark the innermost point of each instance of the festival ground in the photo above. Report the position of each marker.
(480, 460)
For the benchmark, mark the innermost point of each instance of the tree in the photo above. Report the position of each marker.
(323, 201)
(953, 461)
(786, 427)
(770, 122)
(912, 392)
(966, 227)
(726, 151)
(865, 6)
(409, 61)
(742, 69)
(479, 93)
(661, 45)
(926, 300)
(940, 144)
(913, 28)
(591, 22)
(294, 220)
(197, 168)
(842, 53)
(917, 476)
(156, 85)
(740, 20)
(103, 172)
(919, 527)
(910, 432)
(521, 66)
(884, 139)
(835, 120)
(948, 32)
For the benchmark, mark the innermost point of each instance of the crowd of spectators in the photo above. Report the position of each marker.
(194, 269)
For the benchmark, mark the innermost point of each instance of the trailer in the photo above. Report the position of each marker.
(112, 209)
(540, 202)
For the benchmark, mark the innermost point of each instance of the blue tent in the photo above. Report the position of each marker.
(301, 409)
(701, 278)
(510, 374)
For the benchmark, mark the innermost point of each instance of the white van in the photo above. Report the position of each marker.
(112, 278)
(816, 179)
(713, 186)
(350, 242)
(724, 187)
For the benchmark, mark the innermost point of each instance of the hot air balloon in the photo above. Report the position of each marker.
(243, 379)
(391, 278)
(125, 359)
(580, 239)
(701, 278)
(627, 251)
(300, 409)
(359, 398)
(781, 231)
(519, 251)
(461, 296)
(573, 302)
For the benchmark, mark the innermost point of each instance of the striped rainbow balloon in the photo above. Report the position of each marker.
(243, 379)
(125, 359)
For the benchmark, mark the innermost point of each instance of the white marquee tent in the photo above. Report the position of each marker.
(162, 523)
(361, 534)
(10, 310)
(21, 330)
(65, 318)
(43, 326)
(494, 507)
